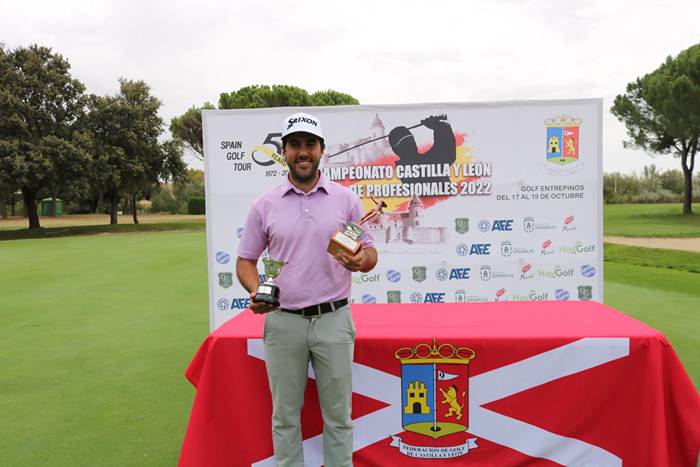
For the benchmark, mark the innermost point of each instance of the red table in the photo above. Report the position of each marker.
(548, 383)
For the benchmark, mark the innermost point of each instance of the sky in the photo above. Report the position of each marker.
(381, 52)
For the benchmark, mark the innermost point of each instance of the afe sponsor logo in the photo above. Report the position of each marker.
(577, 248)
(429, 297)
(239, 232)
(240, 303)
(364, 278)
(526, 271)
(222, 304)
(530, 225)
(568, 224)
(498, 225)
(222, 257)
(557, 273)
(507, 249)
(547, 248)
(479, 249)
(443, 274)
(235, 154)
(531, 296)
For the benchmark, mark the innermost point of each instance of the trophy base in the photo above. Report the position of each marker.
(341, 242)
(266, 299)
(268, 293)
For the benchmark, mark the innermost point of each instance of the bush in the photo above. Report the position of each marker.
(196, 206)
(165, 201)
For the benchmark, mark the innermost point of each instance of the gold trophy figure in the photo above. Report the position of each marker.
(349, 239)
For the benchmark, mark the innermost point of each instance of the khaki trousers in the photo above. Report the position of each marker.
(327, 341)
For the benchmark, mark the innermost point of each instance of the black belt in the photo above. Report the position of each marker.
(318, 310)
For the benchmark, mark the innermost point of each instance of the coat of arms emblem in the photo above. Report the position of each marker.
(419, 273)
(225, 279)
(393, 296)
(435, 396)
(562, 140)
(462, 225)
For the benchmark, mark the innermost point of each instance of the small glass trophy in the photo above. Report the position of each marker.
(268, 291)
(349, 239)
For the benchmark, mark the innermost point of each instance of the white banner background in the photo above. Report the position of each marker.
(533, 226)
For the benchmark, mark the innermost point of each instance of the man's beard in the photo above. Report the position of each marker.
(304, 178)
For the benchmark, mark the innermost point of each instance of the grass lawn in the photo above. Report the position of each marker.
(95, 335)
(96, 332)
(650, 220)
(647, 288)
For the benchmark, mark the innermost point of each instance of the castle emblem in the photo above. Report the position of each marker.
(435, 397)
(562, 140)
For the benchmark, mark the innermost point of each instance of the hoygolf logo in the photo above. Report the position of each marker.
(557, 273)
(577, 249)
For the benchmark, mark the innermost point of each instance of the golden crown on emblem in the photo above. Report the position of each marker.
(563, 121)
(443, 353)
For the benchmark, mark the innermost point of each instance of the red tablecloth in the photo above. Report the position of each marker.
(550, 383)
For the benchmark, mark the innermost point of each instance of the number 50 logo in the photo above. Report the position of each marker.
(274, 140)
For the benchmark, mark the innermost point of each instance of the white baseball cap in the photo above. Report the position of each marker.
(302, 122)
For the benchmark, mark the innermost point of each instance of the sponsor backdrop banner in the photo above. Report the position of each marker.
(485, 202)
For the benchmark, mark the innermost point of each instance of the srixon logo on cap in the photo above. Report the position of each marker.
(295, 120)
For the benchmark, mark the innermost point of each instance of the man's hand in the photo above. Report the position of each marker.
(434, 121)
(352, 262)
(260, 307)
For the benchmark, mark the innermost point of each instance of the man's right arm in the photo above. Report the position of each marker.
(247, 271)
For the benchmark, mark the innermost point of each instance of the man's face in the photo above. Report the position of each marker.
(303, 151)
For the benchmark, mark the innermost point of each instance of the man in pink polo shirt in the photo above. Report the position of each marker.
(295, 221)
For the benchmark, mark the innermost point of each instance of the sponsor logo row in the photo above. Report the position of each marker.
(529, 225)
(581, 292)
(506, 248)
(485, 273)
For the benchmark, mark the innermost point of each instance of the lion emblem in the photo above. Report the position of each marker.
(450, 398)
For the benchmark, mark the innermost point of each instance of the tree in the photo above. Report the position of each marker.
(40, 147)
(661, 111)
(128, 159)
(188, 129)
(188, 126)
(331, 97)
